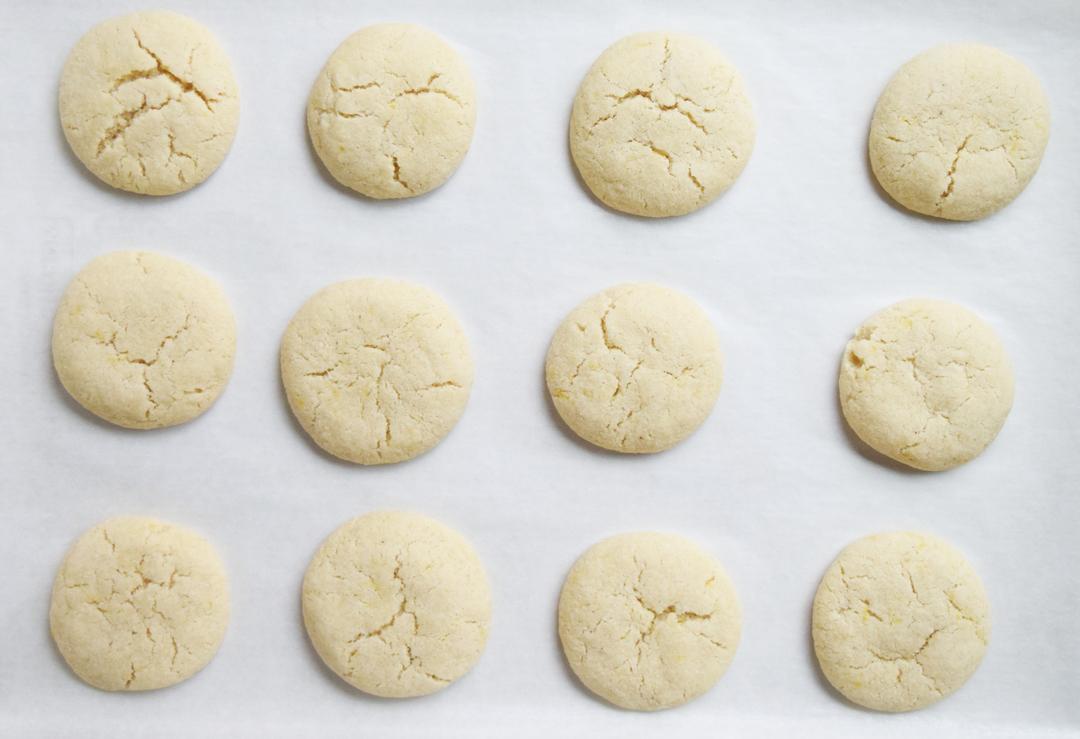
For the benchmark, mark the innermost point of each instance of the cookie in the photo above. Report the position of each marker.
(376, 370)
(959, 132)
(148, 102)
(143, 340)
(392, 113)
(900, 621)
(661, 125)
(926, 383)
(648, 621)
(139, 604)
(635, 368)
(397, 604)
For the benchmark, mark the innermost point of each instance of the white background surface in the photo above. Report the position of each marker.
(788, 263)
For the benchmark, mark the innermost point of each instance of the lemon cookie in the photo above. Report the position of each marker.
(392, 113)
(635, 368)
(661, 125)
(139, 604)
(959, 132)
(148, 102)
(926, 383)
(397, 604)
(900, 621)
(143, 340)
(376, 370)
(648, 621)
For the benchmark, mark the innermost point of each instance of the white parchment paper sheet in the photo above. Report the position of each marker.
(788, 263)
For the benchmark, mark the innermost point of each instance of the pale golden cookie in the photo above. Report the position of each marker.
(648, 621)
(959, 131)
(900, 621)
(397, 604)
(143, 340)
(139, 604)
(661, 125)
(376, 370)
(392, 113)
(635, 368)
(926, 383)
(148, 102)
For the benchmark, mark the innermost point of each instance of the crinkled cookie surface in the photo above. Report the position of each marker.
(139, 604)
(927, 383)
(661, 125)
(143, 340)
(900, 621)
(392, 113)
(148, 102)
(397, 604)
(648, 620)
(959, 132)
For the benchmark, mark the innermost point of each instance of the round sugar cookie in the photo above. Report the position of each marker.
(648, 620)
(661, 125)
(635, 368)
(376, 370)
(143, 340)
(397, 604)
(900, 621)
(148, 102)
(926, 383)
(959, 132)
(392, 113)
(139, 604)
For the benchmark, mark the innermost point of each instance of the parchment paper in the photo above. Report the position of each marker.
(787, 263)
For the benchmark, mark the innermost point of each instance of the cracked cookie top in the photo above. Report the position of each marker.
(376, 370)
(148, 102)
(959, 132)
(926, 383)
(661, 125)
(139, 604)
(143, 340)
(397, 604)
(900, 621)
(636, 368)
(392, 113)
(648, 620)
